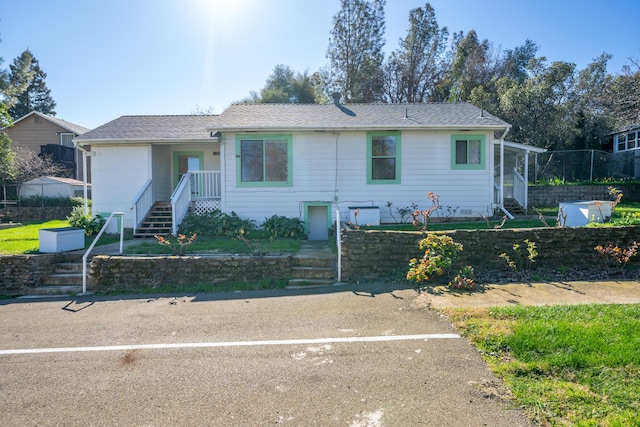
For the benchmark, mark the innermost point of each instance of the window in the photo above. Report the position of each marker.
(622, 142)
(631, 140)
(66, 139)
(264, 160)
(627, 141)
(383, 157)
(468, 152)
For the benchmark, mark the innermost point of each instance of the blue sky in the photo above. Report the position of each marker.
(109, 58)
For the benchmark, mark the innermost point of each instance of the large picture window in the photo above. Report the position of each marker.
(468, 152)
(383, 157)
(264, 160)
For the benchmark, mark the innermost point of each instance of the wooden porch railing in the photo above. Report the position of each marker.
(194, 185)
(142, 204)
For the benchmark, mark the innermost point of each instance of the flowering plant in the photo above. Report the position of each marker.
(178, 245)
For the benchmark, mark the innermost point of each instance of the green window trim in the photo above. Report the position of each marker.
(394, 157)
(288, 139)
(177, 155)
(470, 141)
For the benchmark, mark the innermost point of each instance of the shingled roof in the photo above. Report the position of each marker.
(145, 128)
(271, 117)
(292, 117)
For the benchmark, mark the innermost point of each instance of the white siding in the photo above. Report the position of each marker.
(118, 174)
(331, 167)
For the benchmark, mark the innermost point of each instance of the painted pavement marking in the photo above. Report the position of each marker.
(228, 344)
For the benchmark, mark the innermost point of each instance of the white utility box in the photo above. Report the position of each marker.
(364, 215)
(61, 239)
(582, 212)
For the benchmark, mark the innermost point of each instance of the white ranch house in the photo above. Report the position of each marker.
(306, 161)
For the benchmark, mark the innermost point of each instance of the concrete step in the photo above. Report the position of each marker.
(312, 273)
(63, 279)
(312, 261)
(54, 290)
(306, 283)
(68, 267)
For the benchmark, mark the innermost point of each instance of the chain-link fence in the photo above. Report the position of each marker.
(583, 165)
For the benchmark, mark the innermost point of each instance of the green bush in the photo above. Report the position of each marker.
(281, 226)
(90, 225)
(216, 223)
(38, 201)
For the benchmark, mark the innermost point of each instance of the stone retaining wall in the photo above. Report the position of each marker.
(372, 255)
(136, 272)
(552, 195)
(18, 272)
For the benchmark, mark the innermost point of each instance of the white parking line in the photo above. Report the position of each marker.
(229, 344)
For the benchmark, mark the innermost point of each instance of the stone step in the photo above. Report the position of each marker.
(68, 267)
(62, 279)
(54, 290)
(312, 273)
(309, 261)
(306, 283)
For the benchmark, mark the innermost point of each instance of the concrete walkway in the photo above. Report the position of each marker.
(609, 292)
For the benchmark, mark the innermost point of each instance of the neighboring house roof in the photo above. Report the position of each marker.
(626, 129)
(55, 180)
(279, 117)
(68, 126)
(145, 128)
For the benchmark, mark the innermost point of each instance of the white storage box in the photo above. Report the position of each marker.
(61, 239)
(582, 212)
(366, 215)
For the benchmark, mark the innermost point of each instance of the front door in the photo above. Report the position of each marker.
(317, 222)
(184, 162)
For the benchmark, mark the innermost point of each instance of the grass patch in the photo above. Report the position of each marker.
(567, 365)
(202, 288)
(460, 225)
(25, 239)
(221, 245)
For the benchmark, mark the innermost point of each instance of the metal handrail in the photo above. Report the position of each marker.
(86, 254)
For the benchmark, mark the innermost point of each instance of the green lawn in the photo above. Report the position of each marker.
(224, 245)
(25, 239)
(566, 365)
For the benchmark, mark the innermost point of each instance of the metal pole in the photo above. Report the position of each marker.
(591, 171)
(339, 245)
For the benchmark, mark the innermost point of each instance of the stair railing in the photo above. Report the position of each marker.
(86, 254)
(142, 204)
(180, 201)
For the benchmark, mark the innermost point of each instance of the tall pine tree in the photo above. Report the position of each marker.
(28, 90)
(355, 51)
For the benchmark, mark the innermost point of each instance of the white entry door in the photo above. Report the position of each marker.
(317, 218)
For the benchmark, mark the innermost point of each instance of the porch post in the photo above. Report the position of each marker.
(526, 179)
(501, 192)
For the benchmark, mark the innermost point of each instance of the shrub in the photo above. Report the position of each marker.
(616, 255)
(281, 226)
(440, 252)
(38, 201)
(465, 279)
(90, 225)
(523, 257)
(178, 245)
(216, 223)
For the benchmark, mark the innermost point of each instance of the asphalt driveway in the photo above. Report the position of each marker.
(369, 355)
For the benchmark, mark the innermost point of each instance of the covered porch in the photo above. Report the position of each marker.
(511, 171)
(184, 178)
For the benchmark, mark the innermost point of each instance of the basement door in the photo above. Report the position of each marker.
(317, 220)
